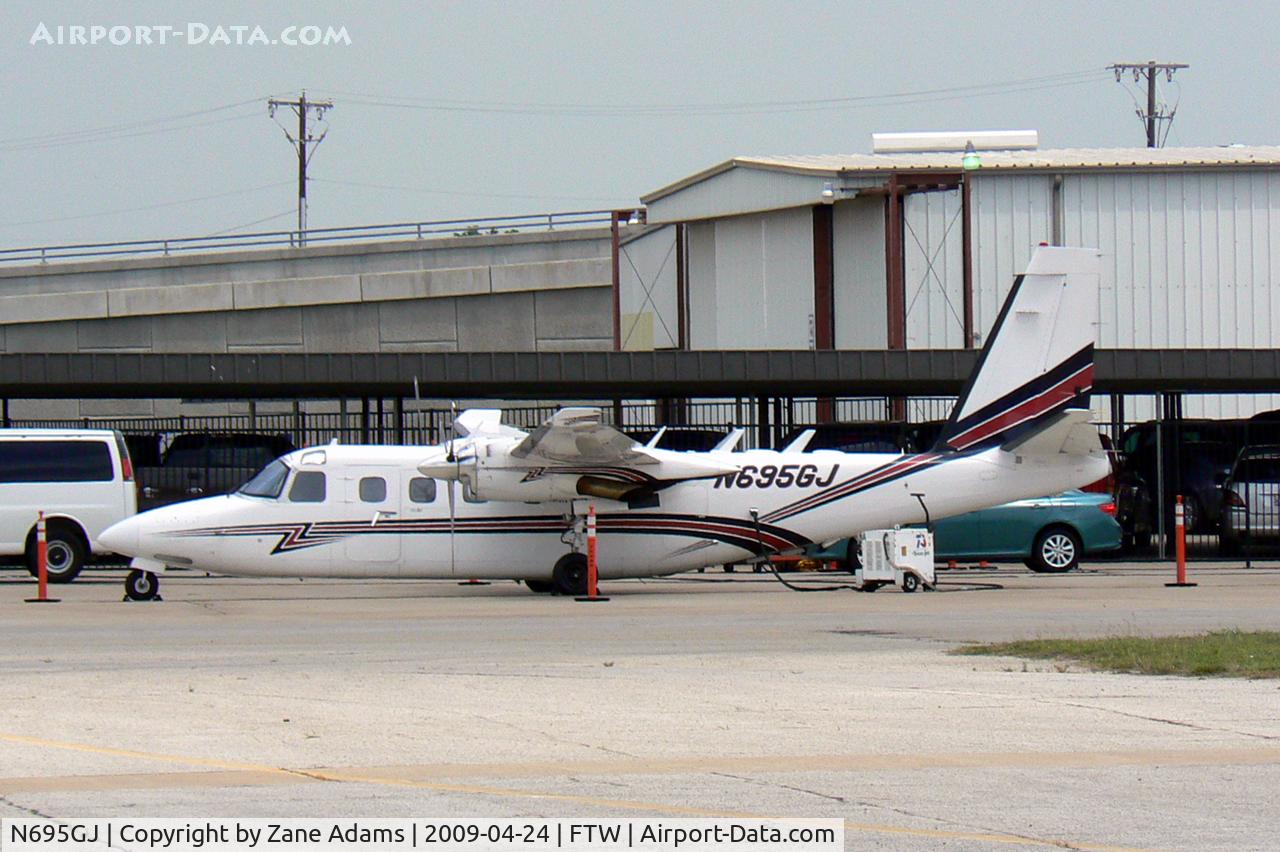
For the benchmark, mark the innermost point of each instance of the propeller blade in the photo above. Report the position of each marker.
(453, 567)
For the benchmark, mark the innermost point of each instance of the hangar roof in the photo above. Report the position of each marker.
(757, 184)
(1053, 159)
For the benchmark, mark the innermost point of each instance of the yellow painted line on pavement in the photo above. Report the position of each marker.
(237, 773)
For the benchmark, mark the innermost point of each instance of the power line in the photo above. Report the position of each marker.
(469, 194)
(302, 108)
(117, 136)
(94, 133)
(147, 206)
(1152, 116)
(270, 218)
(725, 108)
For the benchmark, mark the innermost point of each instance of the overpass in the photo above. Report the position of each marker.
(514, 284)
(483, 286)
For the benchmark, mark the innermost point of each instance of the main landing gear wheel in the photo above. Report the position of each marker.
(142, 586)
(540, 587)
(570, 574)
(910, 583)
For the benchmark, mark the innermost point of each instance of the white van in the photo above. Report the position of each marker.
(82, 479)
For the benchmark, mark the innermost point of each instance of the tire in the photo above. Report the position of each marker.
(540, 587)
(852, 558)
(1056, 550)
(141, 586)
(66, 553)
(910, 583)
(570, 574)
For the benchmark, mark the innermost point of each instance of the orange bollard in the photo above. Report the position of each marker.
(42, 563)
(592, 566)
(1180, 544)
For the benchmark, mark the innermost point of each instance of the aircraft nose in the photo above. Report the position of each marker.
(122, 537)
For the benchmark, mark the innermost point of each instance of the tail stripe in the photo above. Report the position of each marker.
(1042, 403)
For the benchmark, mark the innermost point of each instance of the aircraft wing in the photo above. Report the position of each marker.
(579, 436)
(578, 441)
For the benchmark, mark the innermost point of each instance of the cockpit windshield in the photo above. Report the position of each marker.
(269, 482)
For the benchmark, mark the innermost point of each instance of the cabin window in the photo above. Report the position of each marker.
(422, 490)
(308, 487)
(373, 489)
(470, 496)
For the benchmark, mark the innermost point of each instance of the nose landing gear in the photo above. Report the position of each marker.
(141, 586)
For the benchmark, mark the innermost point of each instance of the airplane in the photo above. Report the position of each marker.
(499, 503)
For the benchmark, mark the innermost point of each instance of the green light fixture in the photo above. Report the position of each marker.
(970, 160)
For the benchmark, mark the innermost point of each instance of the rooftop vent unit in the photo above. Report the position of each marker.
(954, 140)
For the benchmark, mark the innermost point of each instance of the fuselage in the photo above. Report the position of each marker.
(367, 511)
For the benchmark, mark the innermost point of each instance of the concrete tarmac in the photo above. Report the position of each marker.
(703, 695)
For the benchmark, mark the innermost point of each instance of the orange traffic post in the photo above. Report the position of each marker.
(42, 563)
(1180, 544)
(593, 575)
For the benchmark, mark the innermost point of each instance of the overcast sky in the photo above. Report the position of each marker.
(441, 109)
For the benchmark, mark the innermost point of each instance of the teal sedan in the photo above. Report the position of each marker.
(1049, 533)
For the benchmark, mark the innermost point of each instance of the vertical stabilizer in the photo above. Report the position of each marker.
(1038, 360)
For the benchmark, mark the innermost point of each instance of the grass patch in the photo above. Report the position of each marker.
(1225, 653)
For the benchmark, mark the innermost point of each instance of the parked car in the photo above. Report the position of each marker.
(1049, 533)
(1201, 452)
(1251, 498)
(199, 464)
(681, 437)
(887, 436)
(82, 479)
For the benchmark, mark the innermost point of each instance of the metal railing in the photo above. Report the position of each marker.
(388, 424)
(492, 225)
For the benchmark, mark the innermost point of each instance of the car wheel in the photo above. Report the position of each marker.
(1056, 549)
(570, 574)
(910, 582)
(65, 553)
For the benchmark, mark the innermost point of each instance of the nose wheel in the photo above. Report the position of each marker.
(141, 586)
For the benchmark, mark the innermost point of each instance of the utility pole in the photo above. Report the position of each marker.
(1149, 71)
(304, 145)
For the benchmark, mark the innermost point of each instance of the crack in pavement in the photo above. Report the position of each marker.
(552, 737)
(891, 809)
(5, 800)
(1203, 728)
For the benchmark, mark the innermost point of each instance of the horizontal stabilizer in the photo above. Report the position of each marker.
(1069, 432)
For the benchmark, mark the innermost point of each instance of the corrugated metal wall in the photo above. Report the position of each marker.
(933, 264)
(1012, 214)
(859, 274)
(1188, 260)
(647, 276)
(753, 288)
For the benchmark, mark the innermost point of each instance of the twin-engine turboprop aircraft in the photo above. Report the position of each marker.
(497, 502)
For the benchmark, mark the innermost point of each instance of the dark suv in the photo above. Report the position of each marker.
(1198, 456)
(197, 464)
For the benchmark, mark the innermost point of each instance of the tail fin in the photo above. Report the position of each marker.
(1038, 360)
